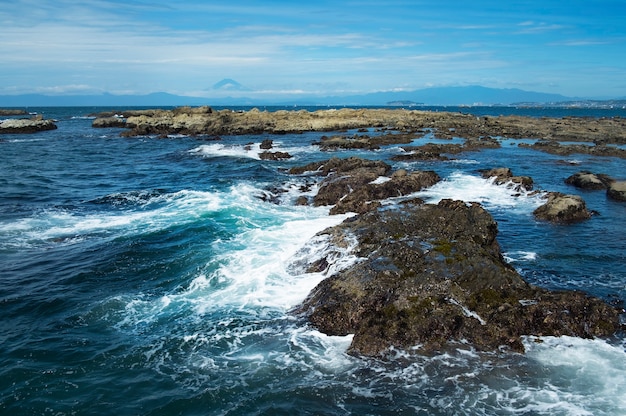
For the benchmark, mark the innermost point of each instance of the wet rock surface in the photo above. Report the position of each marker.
(589, 180)
(432, 274)
(564, 209)
(358, 185)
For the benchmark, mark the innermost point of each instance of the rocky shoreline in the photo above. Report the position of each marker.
(427, 274)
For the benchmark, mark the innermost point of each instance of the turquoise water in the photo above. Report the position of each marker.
(147, 276)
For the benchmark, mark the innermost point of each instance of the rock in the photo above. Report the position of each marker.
(561, 208)
(105, 122)
(274, 155)
(365, 198)
(267, 144)
(617, 191)
(433, 274)
(23, 126)
(588, 180)
(345, 175)
(362, 141)
(358, 185)
(505, 175)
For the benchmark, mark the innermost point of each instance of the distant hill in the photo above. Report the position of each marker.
(472, 95)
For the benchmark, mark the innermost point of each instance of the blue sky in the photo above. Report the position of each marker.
(573, 47)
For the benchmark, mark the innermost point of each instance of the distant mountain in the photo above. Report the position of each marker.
(228, 84)
(472, 95)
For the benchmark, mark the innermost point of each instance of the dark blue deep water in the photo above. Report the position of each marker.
(153, 276)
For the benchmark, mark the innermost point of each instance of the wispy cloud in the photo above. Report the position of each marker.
(280, 45)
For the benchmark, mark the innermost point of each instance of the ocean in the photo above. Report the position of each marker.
(155, 276)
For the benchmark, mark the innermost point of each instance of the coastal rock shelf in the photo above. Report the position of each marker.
(206, 121)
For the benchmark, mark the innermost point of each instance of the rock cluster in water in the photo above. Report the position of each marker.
(206, 121)
(587, 180)
(429, 274)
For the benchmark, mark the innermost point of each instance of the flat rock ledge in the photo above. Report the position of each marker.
(206, 121)
(24, 126)
(429, 275)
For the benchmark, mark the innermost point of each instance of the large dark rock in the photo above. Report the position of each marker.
(342, 176)
(266, 155)
(358, 185)
(431, 274)
(589, 180)
(401, 183)
(563, 209)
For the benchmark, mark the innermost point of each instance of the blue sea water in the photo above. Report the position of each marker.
(155, 276)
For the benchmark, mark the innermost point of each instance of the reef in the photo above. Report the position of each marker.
(410, 123)
(428, 274)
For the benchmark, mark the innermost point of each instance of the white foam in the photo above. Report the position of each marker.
(255, 268)
(217, 149)
(471, 188)
(586, 374)
(520, 256)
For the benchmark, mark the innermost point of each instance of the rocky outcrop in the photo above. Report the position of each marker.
(358, 185)
(505, 176)
(563, 209)
(23, 126)
(617, 191)
(589, 180)
(274, 155)
(429, 275)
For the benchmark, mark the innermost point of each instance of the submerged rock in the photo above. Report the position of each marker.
(431, 274)
(561, 208)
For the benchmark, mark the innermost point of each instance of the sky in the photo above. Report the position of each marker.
(288, 48)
